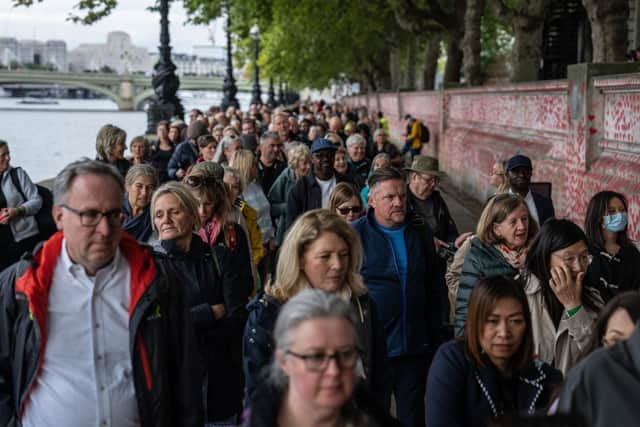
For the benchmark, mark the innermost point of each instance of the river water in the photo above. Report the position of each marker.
(44, 138)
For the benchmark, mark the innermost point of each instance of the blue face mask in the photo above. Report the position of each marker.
(616, 222)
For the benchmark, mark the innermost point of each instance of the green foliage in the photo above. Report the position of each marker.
(496, 38)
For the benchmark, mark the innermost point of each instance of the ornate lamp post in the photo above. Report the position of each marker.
(229, 88)
(271, 101)
(165, 104)
(256, 94)
(280, 94)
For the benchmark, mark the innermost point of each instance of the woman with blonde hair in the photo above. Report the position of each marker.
(110, 147)
(499, 248)
(321, 251)
(498, 177)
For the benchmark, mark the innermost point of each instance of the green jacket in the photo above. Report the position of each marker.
(483, 260)
(278, 198)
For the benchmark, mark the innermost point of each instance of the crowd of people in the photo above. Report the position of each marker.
(284, 268)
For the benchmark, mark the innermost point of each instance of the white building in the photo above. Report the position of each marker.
(118, 54)
(193, 65)
(51, 52)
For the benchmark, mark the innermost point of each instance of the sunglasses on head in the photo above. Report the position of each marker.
(350, 209)
(198, 181)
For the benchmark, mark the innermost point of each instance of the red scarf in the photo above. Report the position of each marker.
(515, 258)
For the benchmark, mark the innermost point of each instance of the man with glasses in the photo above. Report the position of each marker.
(519, 171)
(91, 332)
(313, 190)
(404, 281)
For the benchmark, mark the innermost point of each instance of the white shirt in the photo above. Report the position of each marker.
(531, 204)
(326, 187)
(86, 378)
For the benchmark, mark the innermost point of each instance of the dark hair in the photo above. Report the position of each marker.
(629, 301)
(206, 140)
(593, 223)
(555, 235)
(483, 299)
(363, 127)
(384, 174)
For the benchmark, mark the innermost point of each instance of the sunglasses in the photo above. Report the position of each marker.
(198, 181)
(349, 209)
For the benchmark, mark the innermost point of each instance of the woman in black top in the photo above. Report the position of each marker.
(616, 260)
(161, 151)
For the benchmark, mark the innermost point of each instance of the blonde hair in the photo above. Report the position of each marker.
(290, 278)
(497, 210)
(297, 152)
(243, 161)
(341, 193)
(501, 166)
(106, 140)
(185, 198)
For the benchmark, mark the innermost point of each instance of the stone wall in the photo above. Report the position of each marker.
(583, 133)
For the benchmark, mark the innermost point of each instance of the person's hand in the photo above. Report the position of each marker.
(567, 289)
(462, 238)
(439, 244)
(180, 173)
(218, 311)
(271, 244)
(4, 216)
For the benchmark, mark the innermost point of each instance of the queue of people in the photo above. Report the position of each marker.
(277, 268)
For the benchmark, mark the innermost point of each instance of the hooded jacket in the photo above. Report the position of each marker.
(167, 382)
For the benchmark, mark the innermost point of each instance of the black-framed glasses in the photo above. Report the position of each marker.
(350, 209)
(92, 217)
(318, 362)
(197, 181)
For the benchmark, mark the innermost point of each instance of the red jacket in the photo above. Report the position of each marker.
(167, 377)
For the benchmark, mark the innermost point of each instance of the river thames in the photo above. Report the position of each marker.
(44, 138)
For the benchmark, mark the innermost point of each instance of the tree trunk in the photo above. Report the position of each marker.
(527, 49)
(409, 82)
(608, 29)
(431, 55)
(471, 45)
(454, 57)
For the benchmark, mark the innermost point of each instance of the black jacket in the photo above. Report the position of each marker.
(613, 274)
(447, 230)
(207, 283)
(258, 345)
(461, 394)
(306, 195)
(163, 346)
(268, 175)
(361, 410)
(544, 205)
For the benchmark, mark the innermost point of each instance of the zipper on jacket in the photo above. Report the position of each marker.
(145, 362)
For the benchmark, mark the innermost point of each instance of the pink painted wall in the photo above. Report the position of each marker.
(583, 133)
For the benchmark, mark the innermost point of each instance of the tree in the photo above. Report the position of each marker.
(608, 29)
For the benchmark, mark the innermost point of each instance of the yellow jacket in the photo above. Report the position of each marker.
(414, 136)
(255, 235)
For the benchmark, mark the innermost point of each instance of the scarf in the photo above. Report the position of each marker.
(515, 258)
(210, 231)
(138, 226)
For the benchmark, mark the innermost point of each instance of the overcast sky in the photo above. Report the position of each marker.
(47, 20)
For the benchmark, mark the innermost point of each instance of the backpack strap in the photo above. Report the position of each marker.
(13, 172)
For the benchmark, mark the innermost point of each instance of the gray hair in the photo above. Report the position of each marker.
(309, 304)
(354, 139)
(228, 140)
(269, 136)
(64, 180)
(296, 152)
(141, 169)
(107, 138)
(378, 132)
(383, 174)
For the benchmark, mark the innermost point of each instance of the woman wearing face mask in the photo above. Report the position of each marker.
(491, 370)
(563, 305)
(616, 260)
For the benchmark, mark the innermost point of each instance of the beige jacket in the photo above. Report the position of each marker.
(562, 347)
(452, 276)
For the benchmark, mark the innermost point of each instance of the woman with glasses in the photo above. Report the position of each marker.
(216, 308)
(492, 369)
(616, 260)
(345, 201)
(321, 251)
(139, 183)
(563, 305)
(313, 377)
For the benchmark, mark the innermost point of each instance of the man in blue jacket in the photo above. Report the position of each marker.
(402, 276)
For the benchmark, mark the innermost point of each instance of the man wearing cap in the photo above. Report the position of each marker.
(519, 170)
(312, 191)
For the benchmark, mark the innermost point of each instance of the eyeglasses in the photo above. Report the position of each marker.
(349, 209)
(345, 359)
(583, 259)
(428, 181)
(198, 181)
(92, 217)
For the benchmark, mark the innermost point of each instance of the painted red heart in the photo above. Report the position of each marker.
(593, 131)
(591, 117)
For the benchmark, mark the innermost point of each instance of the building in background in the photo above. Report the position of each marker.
(118, 55)
(27, 53)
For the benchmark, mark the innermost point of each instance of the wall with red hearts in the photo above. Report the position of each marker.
(582, 134)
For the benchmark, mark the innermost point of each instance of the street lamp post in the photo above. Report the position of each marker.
(271, 100)
(229, 88)
(165, 104)
(280, 94)
(256, 94)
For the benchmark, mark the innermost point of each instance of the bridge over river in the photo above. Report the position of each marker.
(128, 91)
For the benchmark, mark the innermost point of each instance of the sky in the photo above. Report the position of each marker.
(47, 20)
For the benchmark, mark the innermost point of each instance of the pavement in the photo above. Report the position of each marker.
(465, 210)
